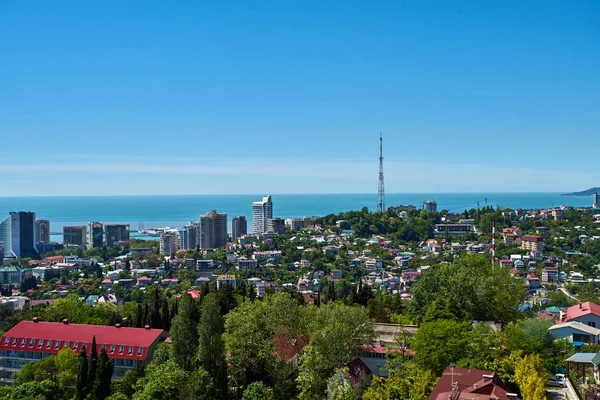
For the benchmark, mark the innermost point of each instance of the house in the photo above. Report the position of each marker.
(550, 274)
(584, 364)
(576, 332)
(246, 263)
(205, 265)
(336, 274)
(32, 341)
(587, 313)
(108, 298)
(360, 374)
(107, 284)
(144, 281)
(224, 280)
(532, 243)
(533, 282)
(467, 384)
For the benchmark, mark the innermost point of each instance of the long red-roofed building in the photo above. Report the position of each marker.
(31, 341)
(470, 384)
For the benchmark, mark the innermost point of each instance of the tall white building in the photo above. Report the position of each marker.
(430, 206)
(262, 211)
(168, 243)
(189, 236)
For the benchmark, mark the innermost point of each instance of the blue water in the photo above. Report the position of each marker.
(174, 211)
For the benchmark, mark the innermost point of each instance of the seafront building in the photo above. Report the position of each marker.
(74, 236)
(96, 239)
(117, 234)
(276, 226)
(596, 200)
(262, 212)
(32, 341)
(239, 227)
(18, 232)
(430, 206)
(189, 236)
(213, 230)
(42, 231)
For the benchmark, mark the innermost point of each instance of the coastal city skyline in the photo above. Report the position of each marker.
(290, 98)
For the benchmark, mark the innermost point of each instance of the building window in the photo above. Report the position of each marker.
(112, 348)
(6, 340)
(31, 342)
(23, 341)
(140, 351)
(67, 343)
(40, 343)
(49, 344)
(57, 345)
(592, 324)
(14, 342)
(121, 349)
(75, 345)
(130, 352)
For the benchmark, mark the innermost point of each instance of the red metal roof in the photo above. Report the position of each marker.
(580, 310)
(51, 337)
(471, 384)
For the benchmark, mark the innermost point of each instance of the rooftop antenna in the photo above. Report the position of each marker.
(381, 189)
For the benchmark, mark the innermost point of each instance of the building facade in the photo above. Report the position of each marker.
(294, 224)
(189, 236)
(117, 234)
(596, 200)
(430, 206)
(96, 239)
(169, 243)
(75, 236)
(239, 227)
(42, 231)
(32, 341)
(18, 232)
(276, 226)
(213, 230)
(262, 211)
(11, 275)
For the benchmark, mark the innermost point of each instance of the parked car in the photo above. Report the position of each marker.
(556, 382)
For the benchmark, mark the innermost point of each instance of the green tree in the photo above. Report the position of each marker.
(184, 332)
(162, 381)
(211, 349)
(36, 390)
(440, 343)
(339, 386)
(82, 375)
(409, 382)
(102, 380)
(258, 391)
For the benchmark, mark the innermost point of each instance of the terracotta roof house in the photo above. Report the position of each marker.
(470, 384)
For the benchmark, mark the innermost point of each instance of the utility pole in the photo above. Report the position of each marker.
(381, 189)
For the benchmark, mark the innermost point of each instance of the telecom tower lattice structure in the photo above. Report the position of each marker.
(381, 189)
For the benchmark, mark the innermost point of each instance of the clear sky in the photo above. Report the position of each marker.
(159, 97)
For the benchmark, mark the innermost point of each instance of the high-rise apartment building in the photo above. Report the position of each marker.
(169, 243)
(239, 227)
(276, 226)
(117, 234)
(262, 211)
(18, 232)
(213, 230)
(430, 206)
(74, 236)
(189, 236)
(42, 231)
(596, 200)
(96, 239)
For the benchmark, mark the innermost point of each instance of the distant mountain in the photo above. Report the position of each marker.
(588, 192)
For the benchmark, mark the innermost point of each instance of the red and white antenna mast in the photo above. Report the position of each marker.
(493, 242)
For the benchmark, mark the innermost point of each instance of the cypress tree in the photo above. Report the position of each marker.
(251, 293)
(82, 375)
(93, 365)
(139, 316)
(155, 320)
(211, 349)
(318, 299)
(103, 377)
(166, 317)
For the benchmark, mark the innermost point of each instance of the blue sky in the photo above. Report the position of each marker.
(153, 97)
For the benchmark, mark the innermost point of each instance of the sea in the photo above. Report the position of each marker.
(149, 212)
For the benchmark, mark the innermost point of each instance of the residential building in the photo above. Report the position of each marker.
(576, 332)
(168, 243)
(587, 313)
(239, 227)
(452, 229)
(274, 255)
(550, 274)
(430, 206)
(223, 280)
(596, 203)
(18, 233)
(276, 226)
(205, 265)
(42, 231)
(467, 384)
(32, 341)
(532, 243)
(213, 230)
(246, 263)
(189, 236)
(96, 239)
(262, 211)
(117, 234)
(15, 303)
(74, 236)
(11, 275)
(294, 224)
